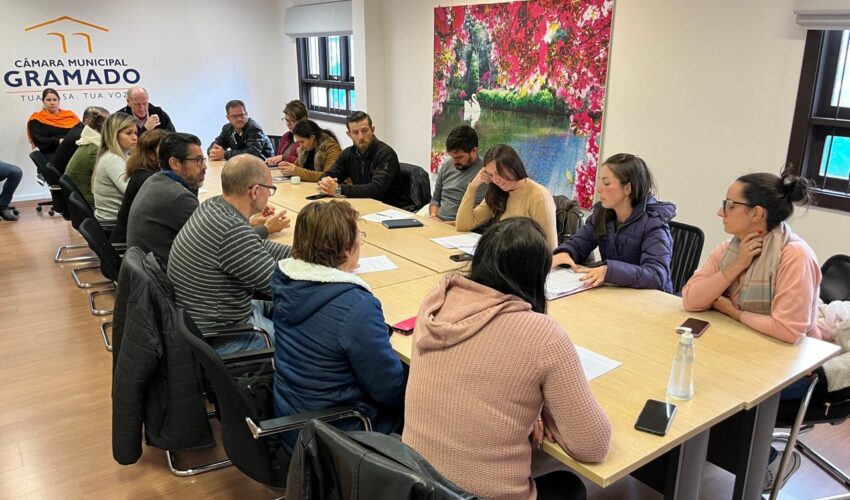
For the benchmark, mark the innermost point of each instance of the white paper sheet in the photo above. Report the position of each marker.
(374, 264)
(387, 215)
(280, 178)
(202, 191)
(595, 364)
(461, 241)
(562, 282)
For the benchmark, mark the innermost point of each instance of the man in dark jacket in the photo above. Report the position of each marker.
(68, 146)
(148, 116)
(371, 165)
(241, 135)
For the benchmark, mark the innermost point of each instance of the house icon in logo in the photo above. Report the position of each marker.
(62, 37)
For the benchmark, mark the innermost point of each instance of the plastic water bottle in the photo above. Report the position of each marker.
(681, 384)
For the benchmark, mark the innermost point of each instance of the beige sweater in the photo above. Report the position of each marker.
(483, 364)
(529, 200)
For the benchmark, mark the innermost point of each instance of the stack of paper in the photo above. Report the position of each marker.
(563, 282)
(374, 264)
(463, 242)
(595, 364)
(280, 178)
(387, 215)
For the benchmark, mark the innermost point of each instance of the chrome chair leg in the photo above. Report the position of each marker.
(792, 438)
(75, 273)
(97, 293)
(825, 465)
(193, 471)
(59, 259)
(106, 325)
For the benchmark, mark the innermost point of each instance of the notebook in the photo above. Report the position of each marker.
(398, 223)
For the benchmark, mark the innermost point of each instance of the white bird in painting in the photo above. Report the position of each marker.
(472, 111)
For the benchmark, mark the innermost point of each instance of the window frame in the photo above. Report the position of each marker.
(815, 118)
(323, 80)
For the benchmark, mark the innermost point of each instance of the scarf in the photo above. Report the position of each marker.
(756, 285)
(62, 119)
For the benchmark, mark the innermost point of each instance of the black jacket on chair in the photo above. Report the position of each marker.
(329, 464)
(156, 382)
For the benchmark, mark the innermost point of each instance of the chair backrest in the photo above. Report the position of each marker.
(79, 209)
(110, 261)
(251, 456)
(568, 217)
(687, 249)
(835, 284)
(51, 176)
(329, 463)
(420, 184)
(275, 142)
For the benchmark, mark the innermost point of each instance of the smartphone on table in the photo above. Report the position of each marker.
(656, 417)
(405, 327)
(697, 326)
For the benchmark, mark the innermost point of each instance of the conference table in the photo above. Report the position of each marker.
(738, 377)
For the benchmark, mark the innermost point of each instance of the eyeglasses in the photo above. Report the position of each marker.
(287, 120)
(272, 189)
(241, 115)
(729, 204)
(199, 160)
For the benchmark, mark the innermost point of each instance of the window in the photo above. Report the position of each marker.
(326, 74)
(819, 148)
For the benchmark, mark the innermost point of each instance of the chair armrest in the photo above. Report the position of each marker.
(292, 422)
(224, 331)
(250, 356)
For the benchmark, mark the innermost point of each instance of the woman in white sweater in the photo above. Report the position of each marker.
(118, 139)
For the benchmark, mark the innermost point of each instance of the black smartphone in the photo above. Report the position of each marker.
(461, 257)
(655, 417)
(318, 196)
(697, 326)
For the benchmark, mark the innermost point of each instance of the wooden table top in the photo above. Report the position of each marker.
(736, 368)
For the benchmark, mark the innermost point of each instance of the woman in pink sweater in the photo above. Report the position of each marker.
(490, 372)
(765, 276)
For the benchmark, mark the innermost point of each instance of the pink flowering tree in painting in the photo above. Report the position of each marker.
(547, 56)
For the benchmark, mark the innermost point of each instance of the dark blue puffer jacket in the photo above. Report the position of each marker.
(332, 347)
(638, 253)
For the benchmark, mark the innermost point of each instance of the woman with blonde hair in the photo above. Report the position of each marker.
(143, 163)
(118, 139)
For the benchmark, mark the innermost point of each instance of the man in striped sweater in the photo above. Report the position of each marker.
(218, 261)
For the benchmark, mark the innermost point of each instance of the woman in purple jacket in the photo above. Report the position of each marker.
(630, 228)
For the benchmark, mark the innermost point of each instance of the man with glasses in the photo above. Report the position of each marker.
(218, 261)
(241, 135)
(167, 199)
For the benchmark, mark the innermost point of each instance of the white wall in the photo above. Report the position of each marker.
(704, 90)
(192, 61)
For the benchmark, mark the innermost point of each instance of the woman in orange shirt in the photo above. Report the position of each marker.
(47, 128)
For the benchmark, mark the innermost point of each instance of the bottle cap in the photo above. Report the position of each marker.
(687, 336)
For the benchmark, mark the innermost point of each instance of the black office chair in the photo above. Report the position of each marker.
(420, 184)
(275, 142)
(330, 463)
(80, 211)
(48, 178)
(687, 249)
(802, 416)
(67, 186)
(110, 263)
(245, 437)
(835, 284)
(568, 217)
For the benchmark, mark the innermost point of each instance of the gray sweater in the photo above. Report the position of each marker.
(450, 186)
(158, 213)
(217, 262)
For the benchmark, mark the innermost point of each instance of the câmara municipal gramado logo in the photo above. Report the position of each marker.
(77, 71)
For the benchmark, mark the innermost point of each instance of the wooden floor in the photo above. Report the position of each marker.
(55, 405)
